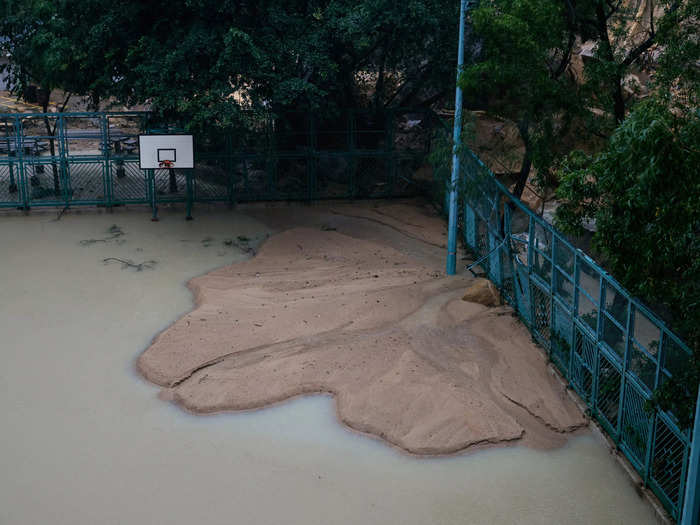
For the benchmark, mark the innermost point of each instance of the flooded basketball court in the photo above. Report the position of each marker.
(86, 440)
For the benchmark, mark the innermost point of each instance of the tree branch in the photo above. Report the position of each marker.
(641, 48)
(566, 58)
(614, 8)
(418, 83)
(65, 102)
(636, 53)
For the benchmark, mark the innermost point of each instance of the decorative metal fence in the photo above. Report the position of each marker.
(613, 351)
(73, 159)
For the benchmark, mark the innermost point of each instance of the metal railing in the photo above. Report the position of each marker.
(74, 159)
(612, 350)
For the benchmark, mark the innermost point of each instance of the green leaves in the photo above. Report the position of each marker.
(519, 74)
(643, 191)
(198, 59)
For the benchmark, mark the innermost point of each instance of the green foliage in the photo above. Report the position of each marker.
(205, 61)
(46, 48)
(523, 69)
(441, 151)
(643, 191)
(519, 74)
(626, 38)
(517, 69)
(678, 75)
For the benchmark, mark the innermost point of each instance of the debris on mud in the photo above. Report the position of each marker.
(115, 234)
(128, 263)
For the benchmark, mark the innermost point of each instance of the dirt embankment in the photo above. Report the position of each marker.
(330, 307)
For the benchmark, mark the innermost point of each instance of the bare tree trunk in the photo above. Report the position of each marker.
(379, 85)
(607, 51)
(52, 148)
(526, 165)
(51, 132)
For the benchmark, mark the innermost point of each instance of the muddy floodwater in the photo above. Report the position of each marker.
(86, 440)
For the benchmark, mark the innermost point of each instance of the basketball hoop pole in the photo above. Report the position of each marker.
(152, 189)
(457, 132)
(159, 151)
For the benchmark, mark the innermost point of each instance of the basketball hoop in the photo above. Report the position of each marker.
(168, 164)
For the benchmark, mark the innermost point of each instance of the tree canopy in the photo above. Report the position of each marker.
(534, 70)
(643, 192)
(519, 73)
(206, 60)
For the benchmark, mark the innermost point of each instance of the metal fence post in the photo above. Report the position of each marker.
(495, 258)
(13, 188)
(19, 152)
(691, 504)
(510, 264)
(62, 164)
(106, 172)
(552, 291)
(532, 321)
(574, 318)
(457, 132)
(625, 357)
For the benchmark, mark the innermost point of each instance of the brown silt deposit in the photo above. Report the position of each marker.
(325, 310)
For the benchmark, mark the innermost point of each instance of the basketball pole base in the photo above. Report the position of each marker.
(152, 191)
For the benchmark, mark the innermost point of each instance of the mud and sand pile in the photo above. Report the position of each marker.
(352, 301)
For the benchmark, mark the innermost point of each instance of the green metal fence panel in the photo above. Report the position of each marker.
(74, 159)
(212, 180)
(613, 351)
(10, 185)
(335, 175)
(126, 182)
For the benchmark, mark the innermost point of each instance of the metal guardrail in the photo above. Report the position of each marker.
(613, 351)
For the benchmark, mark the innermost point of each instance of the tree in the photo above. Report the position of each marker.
(643, 191)
(526, 47)
(523, 71)
(626, 35)
(207, 62)
(47, 50)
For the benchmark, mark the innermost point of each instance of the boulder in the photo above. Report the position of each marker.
(483, 291)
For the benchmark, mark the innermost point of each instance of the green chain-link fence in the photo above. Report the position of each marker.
(72, 159)
(613, 351)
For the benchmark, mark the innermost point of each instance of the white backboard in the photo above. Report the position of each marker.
(156, 148)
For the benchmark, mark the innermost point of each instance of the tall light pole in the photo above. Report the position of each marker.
(454, 178)
(691, 502)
